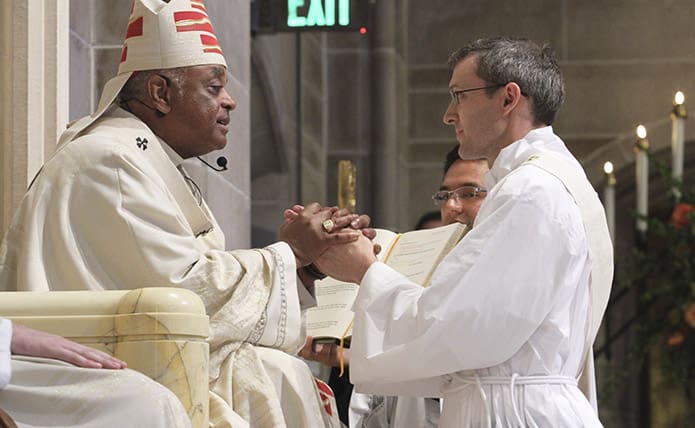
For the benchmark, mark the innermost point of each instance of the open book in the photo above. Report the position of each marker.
(414, 254)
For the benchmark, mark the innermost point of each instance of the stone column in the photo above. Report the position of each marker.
(388, 123)
(33, 91)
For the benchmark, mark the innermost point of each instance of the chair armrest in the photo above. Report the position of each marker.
(160, 332)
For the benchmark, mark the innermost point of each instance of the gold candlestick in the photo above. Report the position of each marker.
(347, 185)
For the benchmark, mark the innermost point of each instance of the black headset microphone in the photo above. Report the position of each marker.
(221, 162)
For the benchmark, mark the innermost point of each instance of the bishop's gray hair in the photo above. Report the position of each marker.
(534, 68)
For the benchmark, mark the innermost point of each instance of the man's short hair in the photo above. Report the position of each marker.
(427, 217)
(534, 68)
(451, 157)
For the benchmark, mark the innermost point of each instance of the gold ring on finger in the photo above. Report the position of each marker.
(328, 225)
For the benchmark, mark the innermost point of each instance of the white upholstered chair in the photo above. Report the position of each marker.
(160, 332)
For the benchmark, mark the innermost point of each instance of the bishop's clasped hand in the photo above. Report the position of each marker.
(328, 225)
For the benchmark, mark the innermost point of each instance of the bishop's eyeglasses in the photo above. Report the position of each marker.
(458, 194)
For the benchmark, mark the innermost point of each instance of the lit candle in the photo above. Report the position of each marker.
(642, 177)
(609, 198)
(678, 116)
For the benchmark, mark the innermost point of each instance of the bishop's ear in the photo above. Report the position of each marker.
(159, 90)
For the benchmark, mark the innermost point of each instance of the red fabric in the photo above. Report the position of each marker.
(198, 5)
(134, 29)
(326, 393)
(210, 44)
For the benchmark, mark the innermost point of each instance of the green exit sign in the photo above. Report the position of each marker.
(323, 15)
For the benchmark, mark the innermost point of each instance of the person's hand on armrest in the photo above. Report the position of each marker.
(35, 343)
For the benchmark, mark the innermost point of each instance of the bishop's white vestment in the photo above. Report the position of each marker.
(112, 210)
(501, 332)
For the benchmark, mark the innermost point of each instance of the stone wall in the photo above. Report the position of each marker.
(623, 60)
(352, 106)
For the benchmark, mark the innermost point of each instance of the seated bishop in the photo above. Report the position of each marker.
(114, 208)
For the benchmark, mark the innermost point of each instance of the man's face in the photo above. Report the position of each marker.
(463, 173)
(199, 116)
(475, 114)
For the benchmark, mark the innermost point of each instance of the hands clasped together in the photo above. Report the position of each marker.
(333, 240)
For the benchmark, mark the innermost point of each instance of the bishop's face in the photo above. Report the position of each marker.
(199, 117)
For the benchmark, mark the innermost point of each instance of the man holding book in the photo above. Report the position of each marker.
(504, 331)
(459, 197)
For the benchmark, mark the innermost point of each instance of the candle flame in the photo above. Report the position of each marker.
(641, 132)
(679, 98)
(608, 167)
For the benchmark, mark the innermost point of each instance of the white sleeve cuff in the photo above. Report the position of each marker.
(283, 315)
(376, 280)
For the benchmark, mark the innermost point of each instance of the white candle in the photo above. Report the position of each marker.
(609, 198)
(678, 116)
(642, 177)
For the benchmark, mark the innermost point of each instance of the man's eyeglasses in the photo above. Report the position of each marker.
(456, 94)
(463, 192)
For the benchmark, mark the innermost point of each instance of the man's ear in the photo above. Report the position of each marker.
(512, 96)
(159, 91)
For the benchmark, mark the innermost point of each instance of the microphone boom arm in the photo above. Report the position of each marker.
(221, 162)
